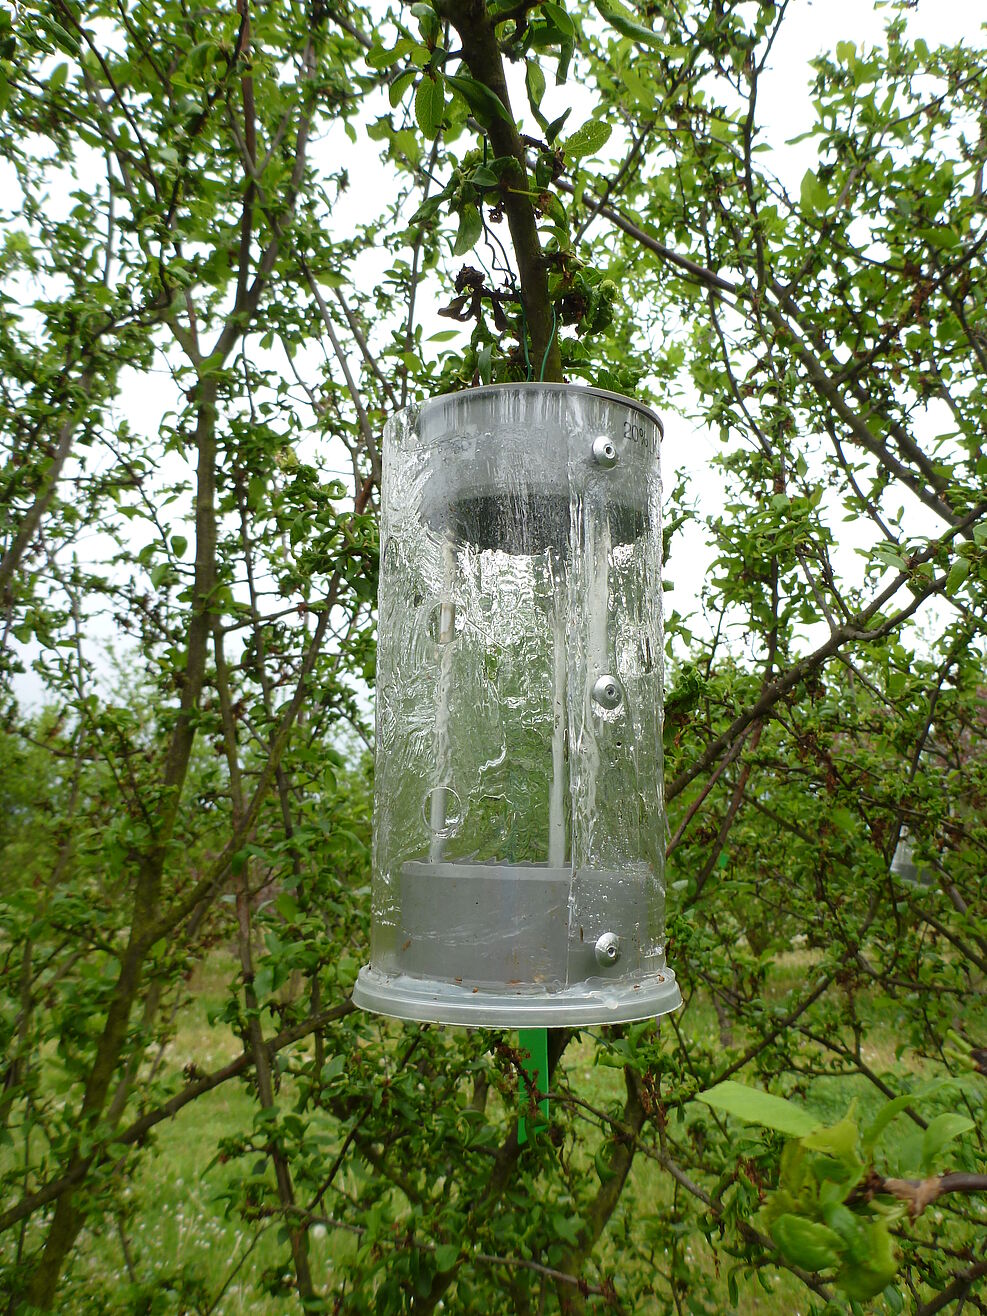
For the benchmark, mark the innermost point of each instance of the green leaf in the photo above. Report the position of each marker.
(379, 58)
(942, 237)
(199, 56)
(178, 545)
(757, 1107)
(941, 1131)
(867, 1279)
(958, 572)
(861, 1282)
(733, 1288)
(333, 1069)
(587, 139)
(565, 1228)
(446, 1256)
(429, 208)
(484, 103)
(853, 1232)
(534, 81)
(603, 1167)
(484, 363)
(806, 1243)
(211, 365)
(484, 177)
(287, 906)
(430, 103)
(621, 21)
(330, 279)
(380, 128)
(405, 142)
(159, 574)
(428, 22)
(256, 492)
(814, 195)
(470, 228)
(59, 74)
(395, 93)
(884, 1117)
(839, 1140)
(893, 1299)
(559, 18)
(792, 1167)
(556, 126)
(551, 205)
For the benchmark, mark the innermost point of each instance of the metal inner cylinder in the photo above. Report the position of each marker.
(482, 494)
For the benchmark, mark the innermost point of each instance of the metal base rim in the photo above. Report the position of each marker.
(431, 1001)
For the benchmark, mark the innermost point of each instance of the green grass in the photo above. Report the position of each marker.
(182, 1243)
(177, 1228)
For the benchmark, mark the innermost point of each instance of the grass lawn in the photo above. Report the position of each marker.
(178, 1249)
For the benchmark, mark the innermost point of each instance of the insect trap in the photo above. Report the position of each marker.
(519, 825)
(906, 868)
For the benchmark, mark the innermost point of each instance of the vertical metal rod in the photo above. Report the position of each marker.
(597, 597)
(443, 748)
(556, 802)
(596, 545)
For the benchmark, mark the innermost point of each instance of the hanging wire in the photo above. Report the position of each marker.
(548, 348)
(524, 342)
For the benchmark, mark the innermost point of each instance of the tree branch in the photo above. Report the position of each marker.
(604, 1203)
(482, 55)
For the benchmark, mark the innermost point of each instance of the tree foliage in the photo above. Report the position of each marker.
(198, 350)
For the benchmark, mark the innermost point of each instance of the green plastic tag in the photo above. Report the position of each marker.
(533, 1044)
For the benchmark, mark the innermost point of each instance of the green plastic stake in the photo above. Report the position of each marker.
(533, 1043)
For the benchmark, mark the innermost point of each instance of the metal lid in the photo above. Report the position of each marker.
(525, 385)
(504, 463)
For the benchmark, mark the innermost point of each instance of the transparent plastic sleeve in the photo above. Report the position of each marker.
(519, 822)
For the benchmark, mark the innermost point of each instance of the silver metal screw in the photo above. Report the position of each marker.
(608, 949)
(607, 692)
(604, 451)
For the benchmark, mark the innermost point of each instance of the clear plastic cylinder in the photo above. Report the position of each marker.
(519, 825)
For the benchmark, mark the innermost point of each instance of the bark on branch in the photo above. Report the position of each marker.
(920, 1193)
(482, 56)
(571, 1300)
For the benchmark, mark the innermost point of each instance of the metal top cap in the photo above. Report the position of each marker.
(526, 385)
